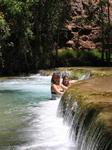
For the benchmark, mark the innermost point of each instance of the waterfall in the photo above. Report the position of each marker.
(28, 117)
(85, 76)
(84, 130)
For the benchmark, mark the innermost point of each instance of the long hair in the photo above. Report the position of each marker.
(55, 75)
(67, 81)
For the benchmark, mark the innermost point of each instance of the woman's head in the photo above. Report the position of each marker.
(65, 80)
(55, 78)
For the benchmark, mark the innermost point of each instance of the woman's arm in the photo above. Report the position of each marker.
(56, 89)
(64, 87)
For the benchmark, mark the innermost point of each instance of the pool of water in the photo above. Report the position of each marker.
(28, 118)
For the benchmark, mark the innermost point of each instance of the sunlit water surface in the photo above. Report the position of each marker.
(28, 118)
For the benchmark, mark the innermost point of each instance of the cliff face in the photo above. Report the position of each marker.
(87, 19)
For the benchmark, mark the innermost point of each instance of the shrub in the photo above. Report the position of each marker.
(67, 53)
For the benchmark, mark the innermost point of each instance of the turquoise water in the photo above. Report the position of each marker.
(28, 119)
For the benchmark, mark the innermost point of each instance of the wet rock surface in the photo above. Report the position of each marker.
(95, 94)
(87, 105)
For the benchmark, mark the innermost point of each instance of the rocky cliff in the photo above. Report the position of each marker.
(87, 19)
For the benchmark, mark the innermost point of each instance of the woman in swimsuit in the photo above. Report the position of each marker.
(56, 89)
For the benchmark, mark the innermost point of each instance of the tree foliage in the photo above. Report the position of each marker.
(27, 33)
(29, 30)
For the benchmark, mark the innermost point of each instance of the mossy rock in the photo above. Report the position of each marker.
(95, 93)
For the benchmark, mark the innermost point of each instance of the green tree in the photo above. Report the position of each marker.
(49, 20)
(17, 51)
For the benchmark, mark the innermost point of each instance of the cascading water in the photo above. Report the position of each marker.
(28, 118)
(84, 129)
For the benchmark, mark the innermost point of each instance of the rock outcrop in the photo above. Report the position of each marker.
(84, 25)
(87, 105)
